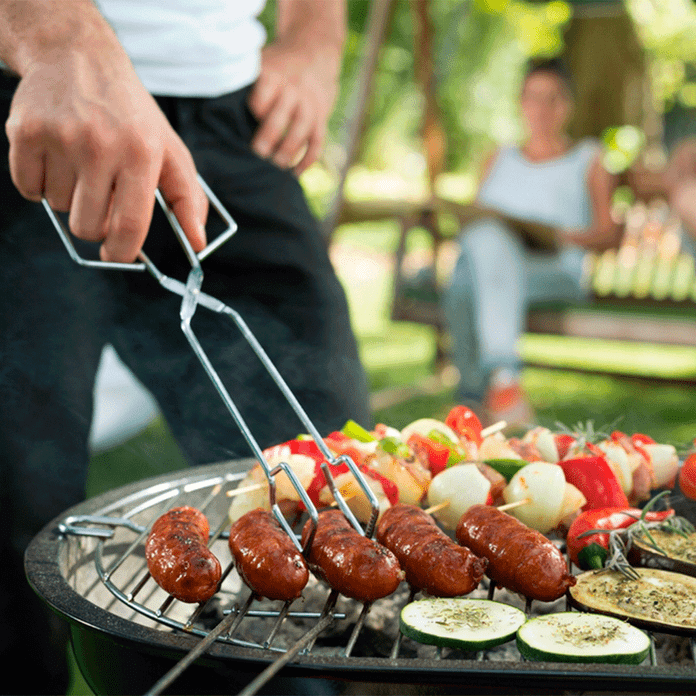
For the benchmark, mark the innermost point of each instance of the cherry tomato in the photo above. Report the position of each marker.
(465, 423)
(687, 477)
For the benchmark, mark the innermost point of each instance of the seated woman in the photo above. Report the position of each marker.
(548, 179)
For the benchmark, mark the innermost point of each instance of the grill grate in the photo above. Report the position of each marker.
(115, 546)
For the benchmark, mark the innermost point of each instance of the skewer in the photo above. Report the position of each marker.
(503, 508)
(515, 504)
(245, 489)
(436, 508)
(495, 428)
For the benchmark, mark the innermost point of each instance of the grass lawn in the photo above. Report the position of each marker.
(401, 354)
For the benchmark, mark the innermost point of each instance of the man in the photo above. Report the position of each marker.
(84, 131)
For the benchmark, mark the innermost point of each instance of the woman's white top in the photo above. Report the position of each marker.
(190, 48)
(554, 192)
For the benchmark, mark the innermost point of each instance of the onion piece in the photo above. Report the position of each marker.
(355, 497)
(424, 426)
(665, 464)
(462, 485)
(543, 484)
(411, 478)
(496, 447)
(573, 500)
(618, 460)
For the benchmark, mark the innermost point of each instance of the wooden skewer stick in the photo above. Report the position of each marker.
(503, 508)
(246, 489)
(516, 504)
(495, 428)
(438, 507)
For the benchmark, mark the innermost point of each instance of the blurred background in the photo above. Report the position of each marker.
(428, 88)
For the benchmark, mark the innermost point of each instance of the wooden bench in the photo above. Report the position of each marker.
(657, 308)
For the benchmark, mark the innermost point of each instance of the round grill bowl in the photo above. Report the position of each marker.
(119, 651)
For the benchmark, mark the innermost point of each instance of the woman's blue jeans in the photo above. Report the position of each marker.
(494, 281)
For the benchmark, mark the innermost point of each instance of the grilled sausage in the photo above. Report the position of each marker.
(266, 558)
(354, 565)
(178, 558)
(519, 558)
(431, 560)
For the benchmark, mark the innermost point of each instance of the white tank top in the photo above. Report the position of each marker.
(555, 192)
(190, 48)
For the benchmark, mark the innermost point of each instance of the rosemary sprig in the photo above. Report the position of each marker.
(586, 433)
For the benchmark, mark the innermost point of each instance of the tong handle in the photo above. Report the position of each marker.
(141, 266)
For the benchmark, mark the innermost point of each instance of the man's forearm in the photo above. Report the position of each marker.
(319, 25)
(34, 31)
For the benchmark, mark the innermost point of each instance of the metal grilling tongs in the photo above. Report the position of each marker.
(192, 296)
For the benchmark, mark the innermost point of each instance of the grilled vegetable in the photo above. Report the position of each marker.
(467, 624)
(542, 485)
(589, 551)
(574, 637)
(665, 549)
(657, 601)
(465, 423)
(687, 477)
(596, 481)
(461, 486)
(507, 467)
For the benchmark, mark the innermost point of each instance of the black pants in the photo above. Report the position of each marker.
(57, 316)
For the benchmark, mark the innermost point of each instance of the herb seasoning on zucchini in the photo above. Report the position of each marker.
(576, 637)
(466, 624)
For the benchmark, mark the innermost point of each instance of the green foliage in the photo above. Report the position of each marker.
(667, 29)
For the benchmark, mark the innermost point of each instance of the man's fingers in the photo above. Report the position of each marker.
(276, 123)
(314, 145)
(263, 94)
(296, 137)
(59, 181)
(89, 213)
(26, 158)
(131, 214)
(184, 195)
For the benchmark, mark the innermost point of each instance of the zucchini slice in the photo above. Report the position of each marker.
(571, 636)
(659, 601)
(456, 622)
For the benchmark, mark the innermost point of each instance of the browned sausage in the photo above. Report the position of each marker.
(266, 558)
(431, 560)
(519, 558)
(178, 558)
(357, 567)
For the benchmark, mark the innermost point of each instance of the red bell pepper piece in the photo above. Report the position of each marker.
(594, 478)
(339, 444)
(307, 447)
(319, 481)
(435, 454)
(640, 439)
(465, 423)
(563, 444)
(590, 551)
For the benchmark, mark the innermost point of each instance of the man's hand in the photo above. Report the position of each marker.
(85, 134)
(295, 93)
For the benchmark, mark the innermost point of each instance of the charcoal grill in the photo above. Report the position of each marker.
(125, 643)
(89, 566)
